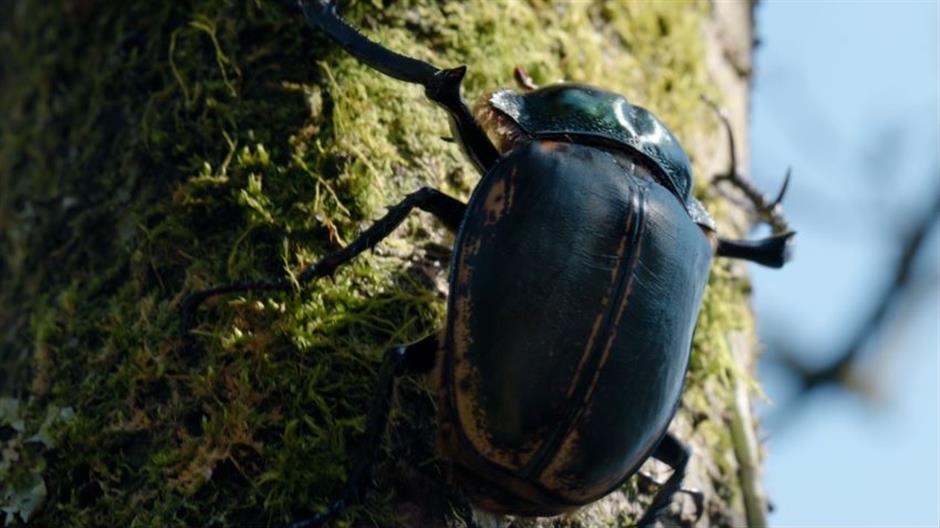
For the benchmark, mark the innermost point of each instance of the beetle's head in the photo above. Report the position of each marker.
(584, 114)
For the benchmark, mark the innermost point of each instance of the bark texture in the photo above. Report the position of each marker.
(149, 149)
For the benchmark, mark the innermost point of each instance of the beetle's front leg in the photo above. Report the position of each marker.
(415, 358)
(449, 210)
(440, 85)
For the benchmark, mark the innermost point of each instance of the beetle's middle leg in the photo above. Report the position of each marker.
(415, 358)
(449, 210)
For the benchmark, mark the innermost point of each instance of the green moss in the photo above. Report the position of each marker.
(155, 148)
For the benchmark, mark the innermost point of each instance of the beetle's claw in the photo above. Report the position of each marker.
(772, 213)
(783, 190)
(767, 210)
(698, 498)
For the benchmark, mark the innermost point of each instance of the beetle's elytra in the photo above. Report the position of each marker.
(577, 273)
(588, 286)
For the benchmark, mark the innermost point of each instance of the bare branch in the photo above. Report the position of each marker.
(839, 371)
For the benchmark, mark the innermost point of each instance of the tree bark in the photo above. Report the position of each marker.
(156, 148)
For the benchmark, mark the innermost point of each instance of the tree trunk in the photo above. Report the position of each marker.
(156, 148)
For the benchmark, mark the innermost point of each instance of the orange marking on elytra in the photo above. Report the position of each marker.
(621, 250)
(551, 146)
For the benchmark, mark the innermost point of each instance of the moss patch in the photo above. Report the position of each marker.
(155, 148)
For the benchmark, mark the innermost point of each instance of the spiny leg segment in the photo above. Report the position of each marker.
(773, 251)
(449, 210)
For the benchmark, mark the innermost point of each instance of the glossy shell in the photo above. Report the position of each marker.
(584, 112)
(575, 287)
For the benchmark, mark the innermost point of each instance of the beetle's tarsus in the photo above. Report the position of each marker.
(698, 497)
(783, 190)
(769, 211)
(675, 455)
(415, 358)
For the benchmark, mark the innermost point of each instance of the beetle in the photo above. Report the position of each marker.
(577, 273)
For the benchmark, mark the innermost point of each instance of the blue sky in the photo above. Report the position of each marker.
(847, 93)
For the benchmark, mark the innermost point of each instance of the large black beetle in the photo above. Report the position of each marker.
(577, 274)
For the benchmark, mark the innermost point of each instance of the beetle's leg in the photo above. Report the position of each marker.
(675, 455)
(769, 211)
(440, 86)
(449, 210)
(698, 498)
(523, 78)
(772, 252)
(408, 359)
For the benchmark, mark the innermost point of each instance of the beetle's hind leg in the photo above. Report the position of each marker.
(675, 455)
(449, 210)
(415, 358)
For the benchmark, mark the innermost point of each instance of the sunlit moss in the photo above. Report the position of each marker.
(152, 149)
